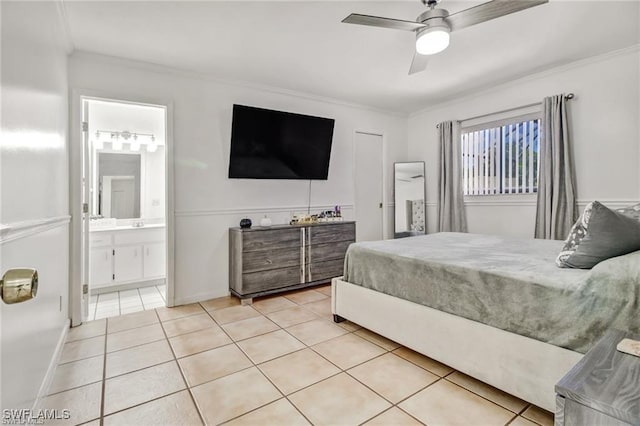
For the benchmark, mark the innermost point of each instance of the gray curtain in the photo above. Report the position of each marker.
(556, 211)
(451, 213)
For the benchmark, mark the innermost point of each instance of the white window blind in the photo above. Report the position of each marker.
(501, 157)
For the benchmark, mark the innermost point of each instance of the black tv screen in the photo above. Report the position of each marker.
(267, 144)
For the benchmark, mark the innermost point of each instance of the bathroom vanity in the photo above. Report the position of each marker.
(122, 255)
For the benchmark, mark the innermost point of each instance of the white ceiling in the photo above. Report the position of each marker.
(303, 46)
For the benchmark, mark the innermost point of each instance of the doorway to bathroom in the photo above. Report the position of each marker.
(124, 182)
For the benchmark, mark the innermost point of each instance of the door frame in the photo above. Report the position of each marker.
(75, 190)
(384, 174)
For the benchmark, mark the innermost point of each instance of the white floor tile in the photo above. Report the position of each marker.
(132, 309)
(148, 290)
(108, 314)
(129, 293)
(108, 296)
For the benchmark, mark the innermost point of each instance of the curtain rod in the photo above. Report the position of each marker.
(568, 96)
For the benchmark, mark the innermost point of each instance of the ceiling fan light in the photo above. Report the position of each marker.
(432, 40)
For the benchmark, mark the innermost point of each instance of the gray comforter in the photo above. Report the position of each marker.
(512, 284)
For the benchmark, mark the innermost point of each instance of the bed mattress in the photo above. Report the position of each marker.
(508, 283)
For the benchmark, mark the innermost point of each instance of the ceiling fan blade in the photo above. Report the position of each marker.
(377, 21)
(487, 11)
(419, 63)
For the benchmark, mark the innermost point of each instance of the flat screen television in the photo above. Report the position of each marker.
(267, 144)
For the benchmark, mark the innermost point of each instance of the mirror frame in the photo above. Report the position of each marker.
(409, 233)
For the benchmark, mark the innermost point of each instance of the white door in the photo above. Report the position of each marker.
(127, 263)
(122, 197)
(155, 263)
(34, 204)
(368, 186)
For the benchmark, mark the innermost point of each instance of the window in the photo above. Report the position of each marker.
(501, 157)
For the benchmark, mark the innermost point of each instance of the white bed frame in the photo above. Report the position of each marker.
(520, 366)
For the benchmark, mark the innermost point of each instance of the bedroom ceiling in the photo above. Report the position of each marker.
(302, 45)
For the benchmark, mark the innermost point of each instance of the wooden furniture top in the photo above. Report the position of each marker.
(606, 380)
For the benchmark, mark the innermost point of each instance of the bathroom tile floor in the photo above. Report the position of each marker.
(281, 361)
(117, 303)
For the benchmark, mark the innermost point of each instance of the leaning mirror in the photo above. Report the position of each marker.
(409, 195)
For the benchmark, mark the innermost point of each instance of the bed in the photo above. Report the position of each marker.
(495, 308)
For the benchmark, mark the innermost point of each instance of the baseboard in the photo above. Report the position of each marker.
(128, 286)
(51, 370)
(200, 297)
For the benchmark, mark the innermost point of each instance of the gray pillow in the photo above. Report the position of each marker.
(599, 234)
(631, 211)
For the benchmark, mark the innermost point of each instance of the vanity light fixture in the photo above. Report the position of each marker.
(133, 139)
(97, 142)
(134, 145)
(116, 142)
(152, 146)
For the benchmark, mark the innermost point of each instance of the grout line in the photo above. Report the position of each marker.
(184, 379)
(104, 373)
(482, 396)
(147, 401)
(254, 365)
(486, 399)
(524, 409)
(258, 366)
(163, 295)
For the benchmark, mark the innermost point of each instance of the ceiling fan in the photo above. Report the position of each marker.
(432, 27)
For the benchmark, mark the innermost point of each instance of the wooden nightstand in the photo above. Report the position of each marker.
(603, 388)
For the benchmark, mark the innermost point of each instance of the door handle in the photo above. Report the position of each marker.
(19, 285)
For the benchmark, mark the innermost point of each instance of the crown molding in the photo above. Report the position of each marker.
(473, 94)
(194, 75)
(259, 210)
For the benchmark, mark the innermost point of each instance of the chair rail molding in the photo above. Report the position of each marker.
(254, 210)
(16, 230)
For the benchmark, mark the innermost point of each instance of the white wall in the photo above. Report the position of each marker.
(605, 126)
(34, 192)
(153, 179)
(207, 203)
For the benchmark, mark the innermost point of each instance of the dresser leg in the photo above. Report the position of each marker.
(247, 301)
(338, 318)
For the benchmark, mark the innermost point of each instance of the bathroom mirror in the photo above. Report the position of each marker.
(409, 196)
(119, 185)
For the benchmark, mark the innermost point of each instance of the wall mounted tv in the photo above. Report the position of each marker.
(267, 144)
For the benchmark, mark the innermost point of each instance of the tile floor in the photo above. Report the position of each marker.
(117, 303)
(281, 361)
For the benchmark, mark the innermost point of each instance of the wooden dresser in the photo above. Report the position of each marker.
(603, 388)
(267, 260)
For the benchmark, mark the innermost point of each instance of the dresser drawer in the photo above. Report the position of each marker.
(331, 233)
(325, 270)
(576, 414)
(262, 260)
(327, 251)
(271, 239)
(268, 280)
